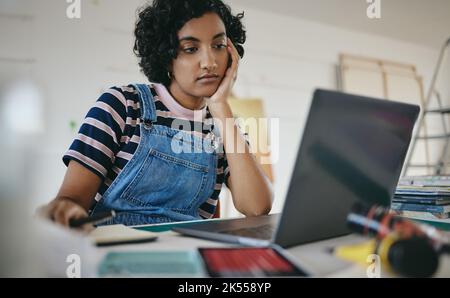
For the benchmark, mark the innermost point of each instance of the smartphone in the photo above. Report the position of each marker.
(248, 262)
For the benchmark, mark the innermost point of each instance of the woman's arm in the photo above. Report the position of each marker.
(75, 195)
(251, 189)
(95, 147)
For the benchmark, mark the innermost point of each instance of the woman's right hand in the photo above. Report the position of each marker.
(62, 210)
(75, 196)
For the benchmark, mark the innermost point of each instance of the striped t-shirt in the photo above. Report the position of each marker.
(110, 135)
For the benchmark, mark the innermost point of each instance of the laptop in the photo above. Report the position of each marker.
(352, 149)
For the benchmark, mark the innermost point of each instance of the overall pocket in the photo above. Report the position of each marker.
(168, 182)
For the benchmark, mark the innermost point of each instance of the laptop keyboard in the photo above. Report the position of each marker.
(262, 232)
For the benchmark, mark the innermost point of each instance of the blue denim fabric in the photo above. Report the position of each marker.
(160, 184)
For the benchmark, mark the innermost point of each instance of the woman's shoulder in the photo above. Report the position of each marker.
(130, 91)
(118, 95)
(120, 101)
(128, 95)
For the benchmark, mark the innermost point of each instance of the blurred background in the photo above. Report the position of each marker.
(53, 68)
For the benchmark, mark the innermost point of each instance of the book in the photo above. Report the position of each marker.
(421, 200)
(425, 181)
(119, 234)
(420, 207)
(423, 191)
(165, 264)
(422, 215)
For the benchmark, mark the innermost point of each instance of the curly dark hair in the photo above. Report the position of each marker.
(157, 27)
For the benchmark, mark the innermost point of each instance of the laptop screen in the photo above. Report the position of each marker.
(353, 149)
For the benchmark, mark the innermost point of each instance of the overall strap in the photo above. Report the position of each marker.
(148, 108)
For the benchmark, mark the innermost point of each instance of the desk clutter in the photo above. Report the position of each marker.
(204, 262)
(404, 247)
(409, 238)
(423, 197)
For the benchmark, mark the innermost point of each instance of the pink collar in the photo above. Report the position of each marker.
(174, 106)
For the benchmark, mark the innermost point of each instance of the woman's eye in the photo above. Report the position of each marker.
(190, 50)
(221, 46)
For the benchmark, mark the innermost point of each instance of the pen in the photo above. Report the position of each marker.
(94, 219)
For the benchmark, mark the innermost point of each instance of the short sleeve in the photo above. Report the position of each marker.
(98, 139)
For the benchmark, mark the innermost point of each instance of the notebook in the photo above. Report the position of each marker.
(120, 234)
(152, 264)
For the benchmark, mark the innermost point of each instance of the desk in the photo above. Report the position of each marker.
(313, 257)
(43, 248)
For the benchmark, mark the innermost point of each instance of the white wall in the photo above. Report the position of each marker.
(287, 58)
(74, 60)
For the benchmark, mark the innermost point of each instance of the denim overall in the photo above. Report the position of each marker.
(161, 183)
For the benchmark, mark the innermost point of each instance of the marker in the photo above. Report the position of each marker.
(94, 219)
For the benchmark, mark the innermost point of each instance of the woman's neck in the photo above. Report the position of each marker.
(187, 101)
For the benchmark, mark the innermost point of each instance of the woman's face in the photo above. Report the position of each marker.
(202, 57)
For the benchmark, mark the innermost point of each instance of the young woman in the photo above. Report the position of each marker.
(153, 152)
